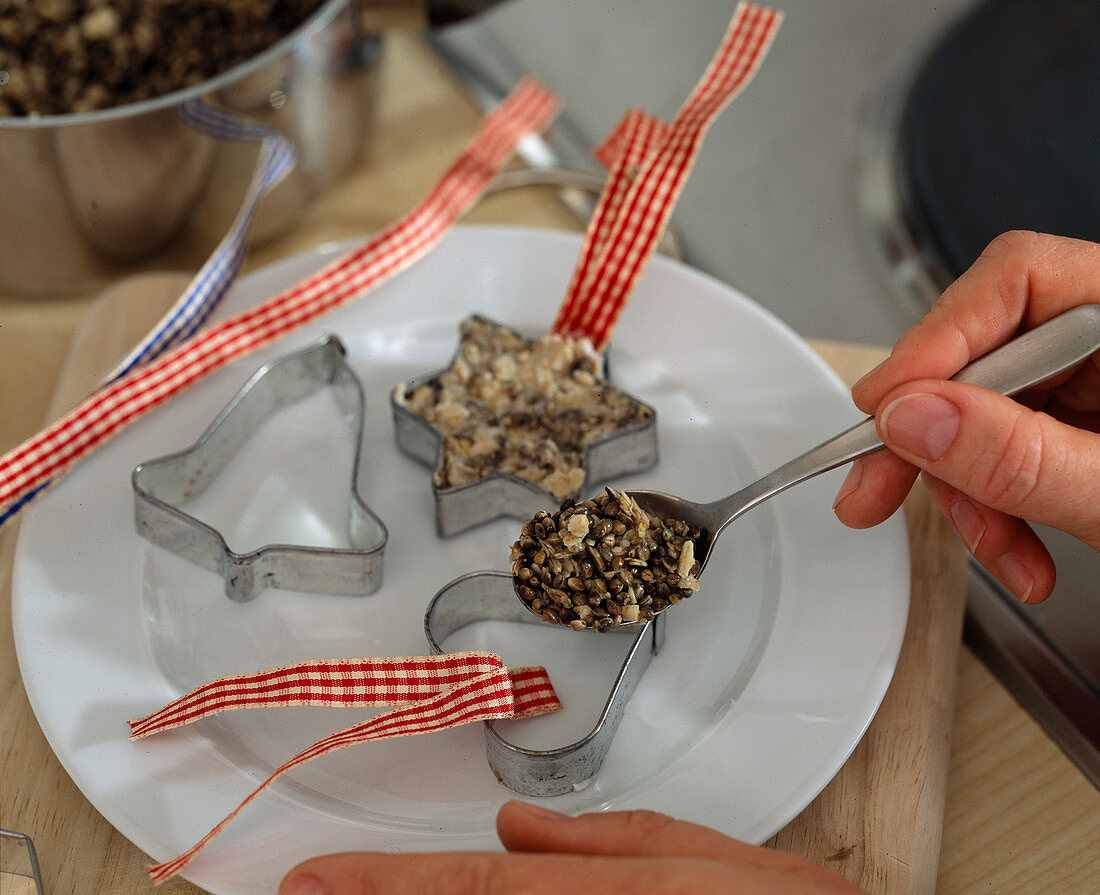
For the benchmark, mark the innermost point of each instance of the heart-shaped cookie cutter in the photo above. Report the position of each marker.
(160, 486)
(480, 596)
(632, 448)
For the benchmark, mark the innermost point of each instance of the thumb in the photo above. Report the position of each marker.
(1000, 453)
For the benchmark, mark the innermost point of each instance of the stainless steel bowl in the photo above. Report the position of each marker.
(86, 197)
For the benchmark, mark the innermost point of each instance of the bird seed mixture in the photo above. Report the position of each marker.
(68, 56)
(527, 408)
(603, 562)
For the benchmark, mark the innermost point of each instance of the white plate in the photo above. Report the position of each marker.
(768, 678)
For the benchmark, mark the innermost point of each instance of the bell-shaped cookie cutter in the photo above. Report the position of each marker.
(160, 486)
(630, 449)
(480, 596)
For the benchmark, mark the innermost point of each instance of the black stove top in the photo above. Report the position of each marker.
(1001, 128)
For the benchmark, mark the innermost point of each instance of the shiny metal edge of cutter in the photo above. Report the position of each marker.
(19, 859)
(160, 486)
(485, 595)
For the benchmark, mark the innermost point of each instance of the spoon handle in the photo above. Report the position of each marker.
(1045, 351)
(1028, 359)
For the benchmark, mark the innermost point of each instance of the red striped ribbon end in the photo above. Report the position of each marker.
(642, 195)
(432, 693)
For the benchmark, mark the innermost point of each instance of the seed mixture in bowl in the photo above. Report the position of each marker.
(70, 56)
(603, 562)
(528, 408)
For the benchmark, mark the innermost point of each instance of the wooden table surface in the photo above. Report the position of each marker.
(953, 790)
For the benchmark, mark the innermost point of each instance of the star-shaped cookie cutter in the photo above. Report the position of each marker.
(626, 450)
(482, 596)
(162, 485)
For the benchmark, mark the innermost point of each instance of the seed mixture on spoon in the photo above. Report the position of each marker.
(603, 562)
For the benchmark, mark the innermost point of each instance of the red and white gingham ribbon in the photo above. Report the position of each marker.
(647, 177)
(47, 456)
(431, 693)
(622, 153)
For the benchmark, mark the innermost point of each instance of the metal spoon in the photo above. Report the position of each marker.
(1027, 360)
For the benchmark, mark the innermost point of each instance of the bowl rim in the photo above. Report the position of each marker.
(315, 23)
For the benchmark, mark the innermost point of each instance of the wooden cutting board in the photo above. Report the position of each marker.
(878, 823)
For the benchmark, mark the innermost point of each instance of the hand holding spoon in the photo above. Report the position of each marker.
(1027, 360)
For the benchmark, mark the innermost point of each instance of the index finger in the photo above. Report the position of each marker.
(491, 873)
(1021, 280)
(531, 828)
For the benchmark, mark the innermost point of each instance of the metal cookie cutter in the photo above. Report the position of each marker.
(481, 596)
(630, 449)
(161, 485)
(18, 861)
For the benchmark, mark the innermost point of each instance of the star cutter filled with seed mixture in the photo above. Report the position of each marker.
(517, 425)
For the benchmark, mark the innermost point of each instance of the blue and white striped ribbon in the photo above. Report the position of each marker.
(206, 291)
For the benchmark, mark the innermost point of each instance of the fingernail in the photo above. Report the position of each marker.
(924, 425)
(850, 483)
(302, 884)
(969, 522)
(1015, 576)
